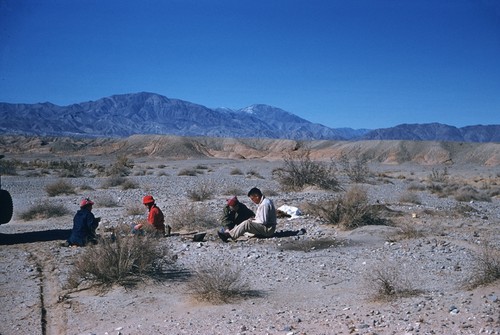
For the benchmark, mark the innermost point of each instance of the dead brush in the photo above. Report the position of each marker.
(406, 231)
(485, 269)
(192, 218)
(124, 260)
(203, 191)
(43, 211)
(60, 187)
(350, 210)
(389, 283)
(218, 283)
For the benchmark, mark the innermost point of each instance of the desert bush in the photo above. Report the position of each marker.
(218, 283)
(485, 268)
(135, 209)
(121, 167)
(350, 210)
(469, 193)
(356, 169)
(86, 187)
(124, 260)
(406, 231)
(299, 171)
(410, 197)
(191, 217)
(8, 167)
(129, 185)
(254, 174)
(106, 201)
(202, 191)
(388, 283)
(416, 187)
(113, 181)
(438, 176)
(43, 211)
(59, 187)
(187, 172)
(236, 171)
(71, 169)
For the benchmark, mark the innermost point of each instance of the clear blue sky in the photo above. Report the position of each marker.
(341, 63)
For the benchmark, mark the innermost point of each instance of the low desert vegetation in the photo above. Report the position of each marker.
(406, 231)
(218, 283)
(191, 217)
(349, 210)
(299, 171)
(203, 191)
(60, 187)
(236, 172)
(136, 209)
(254, 174)
(188, 172)
(485, 268)
(122, 167)
(356, 169)
(387, 282)
(8, 167)
(410, 197)
(438, 176)
(124, 260)
(43, 211)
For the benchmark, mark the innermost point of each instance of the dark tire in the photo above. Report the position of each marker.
(6, 207)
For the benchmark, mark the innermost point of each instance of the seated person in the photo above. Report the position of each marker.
(155, 217)
(84, 225)
(263, 224)
(234, 213)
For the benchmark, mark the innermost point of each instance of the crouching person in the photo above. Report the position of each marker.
(84, 225)
(234, 213)
(262, 225)
(155, 218)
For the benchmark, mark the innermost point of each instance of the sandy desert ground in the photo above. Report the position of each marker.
(317, 283)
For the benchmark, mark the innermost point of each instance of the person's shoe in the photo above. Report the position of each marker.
(223, 235)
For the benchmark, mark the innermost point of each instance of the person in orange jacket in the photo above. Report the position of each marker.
(155, 216)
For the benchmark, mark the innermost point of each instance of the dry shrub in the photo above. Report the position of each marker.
(191, 218)
(234, 191)
(350, 210)
(485, 269)
(299, 171)
(438, 176)
(254, 174)
(44, 211)
(136, 209)
(71, 169)
(60, 187)
(113, 181)
(410, 197)
(236, 171)
(108, 202)
(469, 193)
(406, 231)
(121, 167)
(203, 191)
(123, 260)
(356, 169)
(416, 187)
(188, 172)
(218, 283)
(389, 283)
(129, 185)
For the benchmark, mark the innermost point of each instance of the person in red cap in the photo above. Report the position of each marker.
(84, 225)
(234, 213)
(155, 216)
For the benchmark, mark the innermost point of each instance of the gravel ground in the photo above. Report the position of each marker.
(317, 283)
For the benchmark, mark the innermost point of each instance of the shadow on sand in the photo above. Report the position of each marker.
(288, 233)
(35, 236)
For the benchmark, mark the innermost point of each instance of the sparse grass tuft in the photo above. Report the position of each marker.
(136, 209)
(203, 191)
(236, 172)
(59, 187)
(356, 169)
(44, 211)
(388, 283)
(188, 172)
(124, 261)
(406, 231)
(350, 210)
(218, 283)
(410, 197)
(299, 171)
(485, 269)
(192, 218)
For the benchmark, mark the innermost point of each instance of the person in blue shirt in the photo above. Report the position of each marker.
(84, 225)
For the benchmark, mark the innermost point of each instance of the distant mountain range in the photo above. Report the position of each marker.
(148, 113)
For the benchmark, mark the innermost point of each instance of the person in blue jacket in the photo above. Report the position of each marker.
(84, 225)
